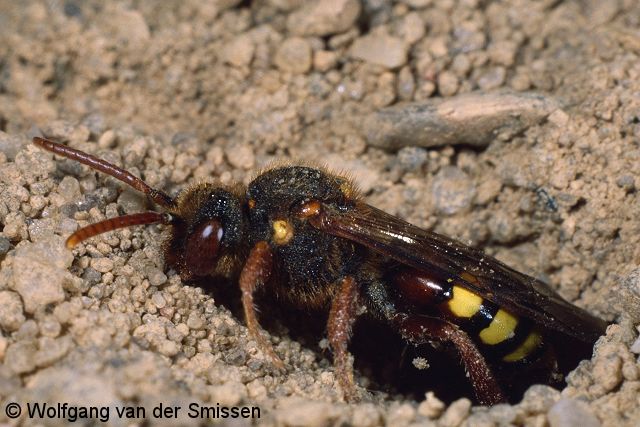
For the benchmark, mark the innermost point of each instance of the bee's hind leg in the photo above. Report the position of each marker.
(422, 329)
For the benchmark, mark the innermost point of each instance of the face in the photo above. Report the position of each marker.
(209, 226)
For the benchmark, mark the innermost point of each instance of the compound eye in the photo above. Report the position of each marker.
(201, 250)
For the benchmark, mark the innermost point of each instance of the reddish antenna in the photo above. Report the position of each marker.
(120, 174)
(102, 165)
(142, 218)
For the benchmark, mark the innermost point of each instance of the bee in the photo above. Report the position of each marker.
(305, 236)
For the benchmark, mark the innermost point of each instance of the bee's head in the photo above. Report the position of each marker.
(208, 231)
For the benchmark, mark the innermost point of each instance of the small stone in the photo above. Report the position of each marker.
(299, 412)
(107, 139)
(453, 191)
(49, 326)
(5, 245)
(488, 190)
(626, 182)
(607, 369)
(294, 55)
(571, 413)
(10, 145)
(492, 79)
(324, 17)
(240, 156)
(456, 413)
(366, 415)
(127, 26)
(239, 52)
(412, 28)
(558, 118)
(103, 265)
(156, 277)
(431, 406)
(380, 49)
(412, 158)
(503, 52)
(406, 84)
(52, 350)
(195, 321)
(40, 270)
(324, 60)
(401, 414)
(635, 347)
(20, 357)
(159, 301)
(69, 189)
(11, 311)
(447, 83)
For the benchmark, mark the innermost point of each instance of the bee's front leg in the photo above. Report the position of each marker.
(344, 311)
(255, 273)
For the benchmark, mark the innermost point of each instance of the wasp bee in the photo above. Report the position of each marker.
(304, 236)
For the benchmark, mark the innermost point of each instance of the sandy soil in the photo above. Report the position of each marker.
(182, 91)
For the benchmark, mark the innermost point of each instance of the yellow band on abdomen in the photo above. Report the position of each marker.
(464, 303)
(533, 341)
(501, 328)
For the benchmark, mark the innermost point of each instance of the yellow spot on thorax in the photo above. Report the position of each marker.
(501, 328)
(282, 231)
(464, 303)
(533, 341)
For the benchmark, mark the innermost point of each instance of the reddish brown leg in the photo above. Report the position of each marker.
(341, 318)
(255, 273)
(420, 329)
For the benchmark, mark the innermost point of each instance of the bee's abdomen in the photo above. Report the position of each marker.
(503, 336)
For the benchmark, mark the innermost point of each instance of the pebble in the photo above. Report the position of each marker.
(69, 189)
(5, 245)
(11, 311)
(448, 83)
(412, 28)
(10, 145)
(570, 413)
(431, 406)
(381, 49)
(324, 60)
(52, 350)
(102, 265)
(453, 190)
(240, 156)
(239, 51)
(455, 413)
(40, 270)
(366, 415)
(300, 412)
(294, 55)
(406, 84)
(503, 52)
(195, 321)
(324, 17)
(156, 277)
(107, 139)
(492, 79)
(20, 356)
(400, 414)
(412, 158)
(471, 118)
